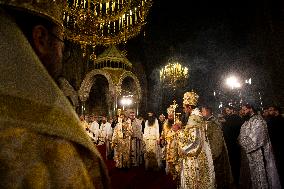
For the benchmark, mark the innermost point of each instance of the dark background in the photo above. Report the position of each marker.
(213, 39)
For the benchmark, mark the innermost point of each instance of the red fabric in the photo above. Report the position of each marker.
(136, 177)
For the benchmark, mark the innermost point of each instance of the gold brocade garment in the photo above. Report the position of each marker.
(42, 142)
(170, 150)
(121, 142)
(196, 164)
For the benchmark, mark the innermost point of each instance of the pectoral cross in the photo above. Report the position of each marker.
(174, 106)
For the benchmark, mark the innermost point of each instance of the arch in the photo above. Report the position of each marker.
(136, 81)
(88, 82)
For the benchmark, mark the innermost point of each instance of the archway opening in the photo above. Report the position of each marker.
(99, 97)
(129, 96)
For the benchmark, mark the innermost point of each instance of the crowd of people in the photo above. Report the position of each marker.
(43, 144)
(237, 149)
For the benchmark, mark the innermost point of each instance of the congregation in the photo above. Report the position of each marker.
(227, 148)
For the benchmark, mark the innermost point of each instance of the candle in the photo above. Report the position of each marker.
(107, 6)
(114, 27)
(113, 6)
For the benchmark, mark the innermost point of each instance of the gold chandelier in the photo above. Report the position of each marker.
(173, 74)
(104, 22)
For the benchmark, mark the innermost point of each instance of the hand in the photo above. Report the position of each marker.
(176, 127)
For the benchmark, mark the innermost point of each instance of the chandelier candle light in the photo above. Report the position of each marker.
(104, 22)
(173, 74)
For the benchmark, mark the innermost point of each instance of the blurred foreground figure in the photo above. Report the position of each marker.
(42, 142)
(258, 169)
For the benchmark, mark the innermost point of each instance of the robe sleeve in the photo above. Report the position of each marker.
(255, 137)
(193, 146)
(215, 138)
(157, 130)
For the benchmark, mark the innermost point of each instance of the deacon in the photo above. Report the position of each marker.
(136, 140)
(258, 168)
(106, 135)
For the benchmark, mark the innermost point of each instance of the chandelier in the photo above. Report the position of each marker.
(173, 74)
(104, 22)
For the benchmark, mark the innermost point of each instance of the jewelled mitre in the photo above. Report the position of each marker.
(190, 98)
(49, 9)
(170, 110)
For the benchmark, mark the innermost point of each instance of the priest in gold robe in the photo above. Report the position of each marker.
(169, 140)
(196, 164)
(43, 144)
(121, 142)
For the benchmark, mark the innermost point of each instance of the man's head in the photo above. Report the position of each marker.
(188, 108)
(131, 114)
(104, 119)
(273, 111)
(190, 100)
(151, 118)
(229, 110)
(248, 110)
(40, 23)
(87, 118)
(171, 114)
(171, 118)
(94, 118)
(206, 111)
(162, 118)
(82, 117)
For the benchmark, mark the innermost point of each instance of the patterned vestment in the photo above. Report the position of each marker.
(196, 164)
(136, 143)
(121, 142)
(258, 164)
(170, 150)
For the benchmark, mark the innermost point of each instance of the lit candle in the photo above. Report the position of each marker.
(114, 26)
(108, 26)
(135, 14)
(113, 6)
(127, 19)
(107, 6)
(119, 21)
(130, 17)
